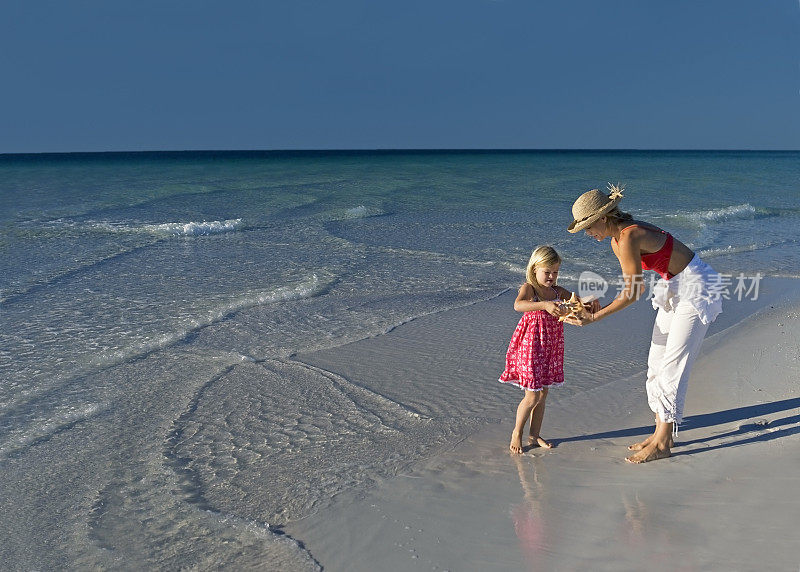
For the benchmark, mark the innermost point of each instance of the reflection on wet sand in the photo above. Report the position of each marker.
(646, 536)
(636, 517)
(528, 515)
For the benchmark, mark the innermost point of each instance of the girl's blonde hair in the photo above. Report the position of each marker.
(541, 256)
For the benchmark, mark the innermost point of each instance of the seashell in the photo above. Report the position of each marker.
(574, 306)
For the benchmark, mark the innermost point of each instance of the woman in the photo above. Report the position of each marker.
(686, 296)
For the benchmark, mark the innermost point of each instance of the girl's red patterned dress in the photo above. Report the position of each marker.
(535, 357)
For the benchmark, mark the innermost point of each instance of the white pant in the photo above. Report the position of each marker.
(677, 336)
(686, 304)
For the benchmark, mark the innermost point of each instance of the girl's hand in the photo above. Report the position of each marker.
(554, 309)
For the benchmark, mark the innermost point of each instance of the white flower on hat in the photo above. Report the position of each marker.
(616, 191)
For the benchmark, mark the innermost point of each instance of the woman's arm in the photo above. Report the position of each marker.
(630, 262)
(628, 253)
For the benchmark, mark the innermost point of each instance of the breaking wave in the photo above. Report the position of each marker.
(174, 228)
(744, 211)
(356, 212)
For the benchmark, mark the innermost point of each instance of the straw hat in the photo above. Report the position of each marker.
(593, 204)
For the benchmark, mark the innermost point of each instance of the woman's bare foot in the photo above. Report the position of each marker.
(640, 446)
(646, 442)
(651, 452)
(516, 442)
(539, 442)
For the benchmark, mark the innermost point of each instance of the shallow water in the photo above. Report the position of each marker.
(153, 307)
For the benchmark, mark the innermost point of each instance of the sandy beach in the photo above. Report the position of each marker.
(727, 499)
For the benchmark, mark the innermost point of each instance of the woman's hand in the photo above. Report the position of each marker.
(592, 306)
(582, 320)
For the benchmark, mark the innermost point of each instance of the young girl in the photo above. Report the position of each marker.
(535, 357)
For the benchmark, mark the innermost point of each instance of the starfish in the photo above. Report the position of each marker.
(574, 306)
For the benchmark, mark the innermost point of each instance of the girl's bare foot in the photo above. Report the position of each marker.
(516, 443)
(650, 452)
(539, 442)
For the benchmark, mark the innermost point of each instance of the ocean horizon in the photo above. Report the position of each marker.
(377, 151)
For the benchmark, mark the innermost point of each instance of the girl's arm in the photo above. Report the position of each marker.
(563, 293)
(525, 303)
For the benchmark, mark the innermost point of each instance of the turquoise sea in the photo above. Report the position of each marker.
(139, 292)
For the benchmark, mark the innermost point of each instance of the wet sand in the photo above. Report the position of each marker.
(726, 499)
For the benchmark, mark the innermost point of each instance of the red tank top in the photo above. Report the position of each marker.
(659, 260)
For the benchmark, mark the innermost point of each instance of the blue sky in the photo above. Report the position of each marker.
(295, 74)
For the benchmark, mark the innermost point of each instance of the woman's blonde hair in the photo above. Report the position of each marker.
(541, 256)
(617, 216)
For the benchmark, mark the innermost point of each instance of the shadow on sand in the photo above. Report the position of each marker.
(758, 430)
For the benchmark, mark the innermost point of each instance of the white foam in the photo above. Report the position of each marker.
(745, 211)
(730, 249)
(174, 228)
(356, 212)
(751, 247)
(735, 212)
